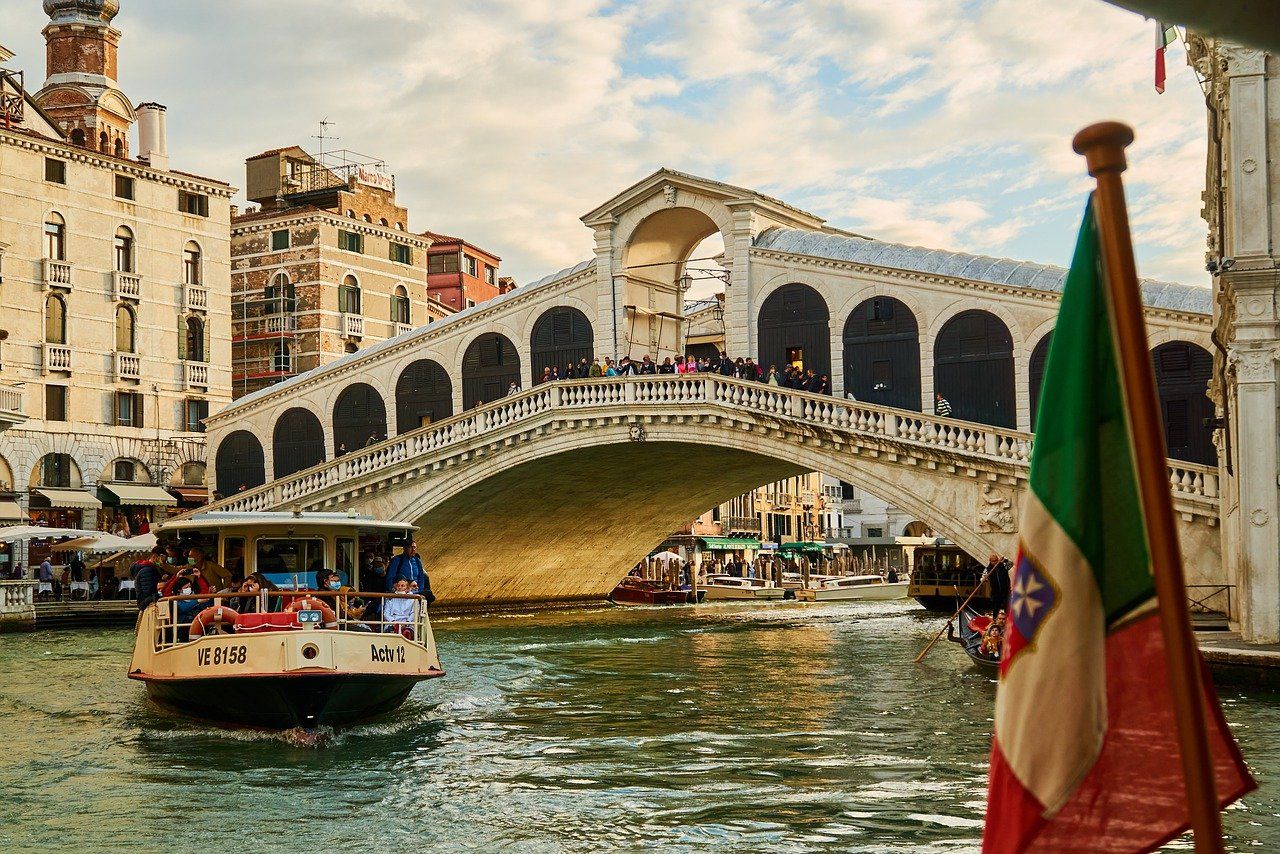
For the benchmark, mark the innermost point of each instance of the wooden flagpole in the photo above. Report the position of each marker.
(1103, 148)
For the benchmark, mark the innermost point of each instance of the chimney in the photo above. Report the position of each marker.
(153, 135)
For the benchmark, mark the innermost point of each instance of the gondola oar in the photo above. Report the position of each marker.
(938, 636)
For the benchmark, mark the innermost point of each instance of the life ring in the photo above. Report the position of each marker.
(214, 615)
(311, 603)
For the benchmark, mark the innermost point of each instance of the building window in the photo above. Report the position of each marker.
(400, 305)
(349, 296)
(55, 320)
(383, 222)
(471, 303)
(55, 237)
(195, 204)
(124, 250)
(194, 411)
(77, 137)
(282, 360)
(124, 471)
(471, 265)
(280, 240)
(192, 258)
(401, 253)
(55, 171)
(125, 325)
(192, 339)
(368, 219)
(55, 470)
(350, 241)
(491, 275)
(446, 262)
(193, 474)
(124, 187)
(55, 403)
(128, 409)
(350, 347)
(280, 291)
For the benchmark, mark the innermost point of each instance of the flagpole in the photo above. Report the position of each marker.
(1103, 147)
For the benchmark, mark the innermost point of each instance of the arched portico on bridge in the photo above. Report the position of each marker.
(359, 418)
(239, 463)
(297, 442)
(794, 328)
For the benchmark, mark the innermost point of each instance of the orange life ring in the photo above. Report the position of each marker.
(214, 615)
(310, 603)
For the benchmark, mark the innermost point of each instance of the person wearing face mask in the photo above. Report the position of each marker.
(347, 606)
(187, 608)
(214, 575)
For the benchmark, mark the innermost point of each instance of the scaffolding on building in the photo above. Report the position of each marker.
(335, 170)
(264, 340)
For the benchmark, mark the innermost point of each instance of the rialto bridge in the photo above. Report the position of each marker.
(553, 493)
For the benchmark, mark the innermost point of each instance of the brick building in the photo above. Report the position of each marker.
(461, 274)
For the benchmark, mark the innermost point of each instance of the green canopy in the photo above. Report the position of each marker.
(729, 544)
(804, 548)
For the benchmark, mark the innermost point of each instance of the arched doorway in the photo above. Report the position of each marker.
(561, 335)
(1035, 373)
(794, 328)
(240, 463)
(973, 368)
(359, 418)
(882, 354)
(916, 528)
(424, 393)
(1183, 371)
(297, 443)
(489, 367)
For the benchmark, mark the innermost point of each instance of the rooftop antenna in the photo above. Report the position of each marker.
(325, 124)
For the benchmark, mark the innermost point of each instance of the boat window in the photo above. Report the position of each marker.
(233, 557)
(347, 558)
(290, 562)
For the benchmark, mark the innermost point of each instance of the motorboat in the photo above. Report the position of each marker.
(634, 590)
(733, 587)
(287, 655)
(852, 588)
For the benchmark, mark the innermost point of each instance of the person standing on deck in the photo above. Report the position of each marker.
(998, 577)
(146, 577)
(408, 566)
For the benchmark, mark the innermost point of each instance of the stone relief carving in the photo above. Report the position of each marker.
(1243, 60)
(995, 510)
(669, 195)
(1254, 366)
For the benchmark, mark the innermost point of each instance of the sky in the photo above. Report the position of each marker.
(929, 122)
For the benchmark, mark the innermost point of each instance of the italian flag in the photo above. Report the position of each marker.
(1165, 36)
(1085, 755)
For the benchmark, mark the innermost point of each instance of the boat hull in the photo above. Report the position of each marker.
(644, 594)
(743, 593)
(866, 593)
(306, 700)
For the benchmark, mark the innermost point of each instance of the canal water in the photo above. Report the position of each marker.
(780, 728)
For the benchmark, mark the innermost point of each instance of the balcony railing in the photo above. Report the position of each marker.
(57, 357)
(56, 274)
(402, 328)
(195, 298)
(743, 524)
(126, 285)
(11, 410)
(279, 323)
(352, 325)
(128, 366)
(195, 375)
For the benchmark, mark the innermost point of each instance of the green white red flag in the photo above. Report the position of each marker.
(1165, 36)
(1085, 754)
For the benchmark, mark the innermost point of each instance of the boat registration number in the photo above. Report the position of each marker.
(221, 655)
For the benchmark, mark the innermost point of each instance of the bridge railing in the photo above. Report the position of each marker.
(905, 427)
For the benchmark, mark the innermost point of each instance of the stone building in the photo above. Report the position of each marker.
(115, 271)
(323, 267)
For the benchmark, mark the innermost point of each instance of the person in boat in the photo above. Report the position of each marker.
(186, 573)
(997, 570)
(892, 576)
(397, 612)
(187, 609)
(249, 601)
(146, 575)
(408, 565)
(348, 607)
(214, 575)
(993, 637)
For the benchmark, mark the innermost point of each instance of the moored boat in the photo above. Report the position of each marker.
(633, 590)
(733, 587)
(286, 655)
(852, 588)
(981, 642)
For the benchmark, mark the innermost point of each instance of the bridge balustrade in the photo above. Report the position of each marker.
(905, 427)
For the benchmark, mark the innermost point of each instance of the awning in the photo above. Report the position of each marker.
(134, 494)
(75, 499)
(806, 548)
(191, 494)
(10, 511)
(729, 544)
(705, 338)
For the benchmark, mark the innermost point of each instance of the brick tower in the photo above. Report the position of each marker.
(80, 90)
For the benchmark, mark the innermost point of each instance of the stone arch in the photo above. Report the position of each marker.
(6, 477)
(1183, 370)
(561, 335)
(141, 472)
(793, 326)
(881, 344)
(973, 368)
(489, 366)
(297, 442)
(239, 462)
(359, 415)
(424, 393)
(1035, 372)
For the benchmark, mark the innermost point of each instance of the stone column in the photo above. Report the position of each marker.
(740, 306)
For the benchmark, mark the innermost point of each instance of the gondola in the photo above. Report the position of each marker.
(972, 626)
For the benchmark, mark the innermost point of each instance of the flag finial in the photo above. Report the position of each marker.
(1103, 146)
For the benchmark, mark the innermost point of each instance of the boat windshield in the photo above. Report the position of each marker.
(291, 562)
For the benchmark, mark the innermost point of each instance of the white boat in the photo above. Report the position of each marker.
(852, 588)
(732, 587)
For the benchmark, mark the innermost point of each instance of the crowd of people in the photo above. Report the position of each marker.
(789, 376)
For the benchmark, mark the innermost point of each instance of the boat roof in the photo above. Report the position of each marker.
(228, 519)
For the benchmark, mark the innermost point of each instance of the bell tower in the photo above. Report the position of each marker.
(80, 91)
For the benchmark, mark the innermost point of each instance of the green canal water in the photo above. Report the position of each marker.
(779, 728)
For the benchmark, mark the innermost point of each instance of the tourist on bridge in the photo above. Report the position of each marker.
(146, 574)
(595, 370)
(647, 367)
(690, 365)
(941, 406)
(628, 367)
(546, 376)
(514, 388)
(407, 567)
(753, 371)
(726, 365)
(772, 379)
(666, 367)
(610, 369)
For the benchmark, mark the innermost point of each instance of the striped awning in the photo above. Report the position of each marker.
(73, 499)
(139, 495)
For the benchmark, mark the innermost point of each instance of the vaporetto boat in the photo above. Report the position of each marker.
(289, 656)
(852, 588)
(733, 587)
